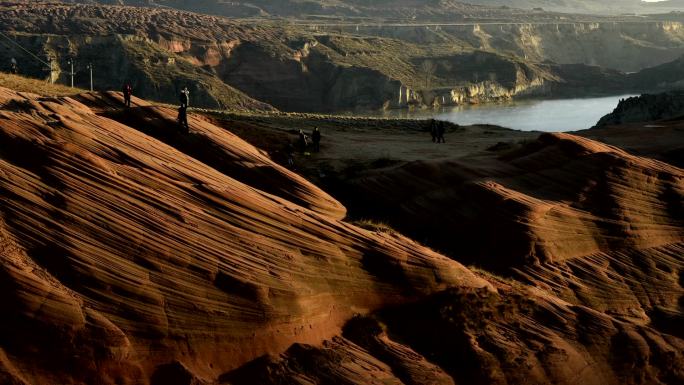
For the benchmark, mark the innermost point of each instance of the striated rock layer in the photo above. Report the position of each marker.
(583, 220)
(132, 254)
(554, 199)
(124, 259)
(475, 336)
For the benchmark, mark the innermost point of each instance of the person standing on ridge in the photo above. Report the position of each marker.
(302, 142)
(185, 97)
(433, 130)
(127, 93)
(441, 127)
(316, 138)
(290, 153)
(183, 110)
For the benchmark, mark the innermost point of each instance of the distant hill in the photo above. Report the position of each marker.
(614, 7)
(243, 65)
(663, 77)
(294, 8)
(429, 9)
(678, 4)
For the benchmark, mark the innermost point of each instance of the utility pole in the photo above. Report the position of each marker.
(71, 62)
(90, 67)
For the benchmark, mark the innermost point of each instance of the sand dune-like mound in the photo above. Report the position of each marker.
(557, 198)
(126, 261)
(213, 146)
(662, 140)
(587, 221)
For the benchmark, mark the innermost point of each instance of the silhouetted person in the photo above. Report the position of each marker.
(441, 127)
(302, 142)
(127, 92)
(184, 97)
(183, 110)
(316, 139)
(14, 67)
(290, 153)
(183, 119)
(433, 130)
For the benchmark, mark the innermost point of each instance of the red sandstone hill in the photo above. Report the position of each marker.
(552, 200)
(134, 255)
(583, 220)
(121, 253)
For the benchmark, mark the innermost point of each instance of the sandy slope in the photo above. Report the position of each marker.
(585, 221)
(217, 148)
(554, 199)
(662, 140)
(134, 255)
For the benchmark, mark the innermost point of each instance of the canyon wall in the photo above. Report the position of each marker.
(305, 81)
(626, 46)
(154, 69)
(229, 64)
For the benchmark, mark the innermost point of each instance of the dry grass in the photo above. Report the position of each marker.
(380, 227)
(36, 86)
(497, 279)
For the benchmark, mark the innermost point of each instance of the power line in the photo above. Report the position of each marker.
(25, 50)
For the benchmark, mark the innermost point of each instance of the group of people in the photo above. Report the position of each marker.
(315, 139)
(184, 98)
(437, 128)
(303, 142)
(437, 131)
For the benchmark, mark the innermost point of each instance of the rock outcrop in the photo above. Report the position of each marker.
(646, 108)
(515, 336)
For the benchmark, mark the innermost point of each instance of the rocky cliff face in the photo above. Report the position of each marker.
(154, 72)
(230, 64)
(625, 46)
(305, 80)
(621, 45)
(480, 76)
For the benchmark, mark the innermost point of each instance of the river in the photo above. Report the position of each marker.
(557, 115)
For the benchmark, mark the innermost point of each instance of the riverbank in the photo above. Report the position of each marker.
(548, 115)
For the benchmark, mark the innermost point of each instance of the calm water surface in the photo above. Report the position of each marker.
(530, 115)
